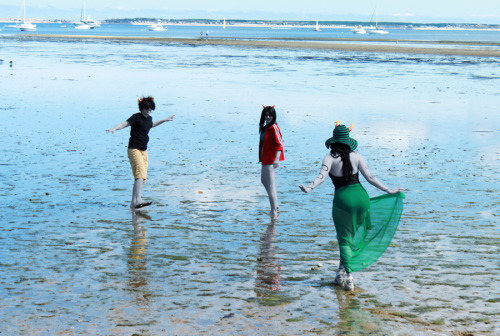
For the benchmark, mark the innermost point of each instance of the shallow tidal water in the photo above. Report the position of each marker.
(205, 259)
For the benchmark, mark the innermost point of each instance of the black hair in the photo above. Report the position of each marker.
(339, 149)
(266, 110)
(147, 103)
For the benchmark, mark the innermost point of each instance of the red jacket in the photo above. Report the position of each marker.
(273, 142)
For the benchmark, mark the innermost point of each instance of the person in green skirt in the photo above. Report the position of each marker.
(364, 226)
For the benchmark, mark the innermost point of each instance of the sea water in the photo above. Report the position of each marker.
(205, 258)
(257, 32)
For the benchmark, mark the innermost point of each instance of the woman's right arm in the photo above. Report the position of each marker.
(363, 168)
(118, 127)
(323, 173)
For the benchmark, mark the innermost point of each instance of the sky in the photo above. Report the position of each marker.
(418, 11)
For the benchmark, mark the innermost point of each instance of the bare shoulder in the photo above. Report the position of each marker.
(356, 159)
(328, 159)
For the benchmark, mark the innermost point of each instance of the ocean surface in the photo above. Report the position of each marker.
(205, 259)
(214, 31)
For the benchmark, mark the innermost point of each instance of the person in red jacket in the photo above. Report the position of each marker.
(270, 154)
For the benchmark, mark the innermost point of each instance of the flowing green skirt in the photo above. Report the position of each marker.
(365, 226)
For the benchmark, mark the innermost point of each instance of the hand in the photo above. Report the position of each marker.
(304, 189)
(171, 117)
(111, 131)
(276, 164)
(395, 190)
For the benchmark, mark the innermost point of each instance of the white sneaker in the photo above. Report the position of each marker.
(349, 284)
(339, 279)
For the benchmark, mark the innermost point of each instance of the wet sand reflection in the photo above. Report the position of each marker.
(268, 286)
(137, 256)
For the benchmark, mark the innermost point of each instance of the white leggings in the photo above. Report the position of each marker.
(268, 179)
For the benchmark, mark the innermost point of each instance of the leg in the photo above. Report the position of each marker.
(268, 179)
(349, 282)
(339, 277)
(137, 192)
(139, 163)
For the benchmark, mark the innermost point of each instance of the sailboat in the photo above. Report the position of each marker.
(224, 24)
(378, 30)
(317, 26)
(85, 22)
(26, 26)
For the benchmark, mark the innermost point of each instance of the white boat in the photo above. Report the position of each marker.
(317, 26)
(358, 30)
(85, 21)
(26, 26)
(378, 30)
(90, 22)
(224, 24)
(83, 26)
(12, 26)
(157, 27)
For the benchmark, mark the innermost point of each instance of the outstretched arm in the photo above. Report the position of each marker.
(323, 173)
(363, 168)
(118, 127)
(159, 122)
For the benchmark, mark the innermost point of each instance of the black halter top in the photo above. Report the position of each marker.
(339, 181)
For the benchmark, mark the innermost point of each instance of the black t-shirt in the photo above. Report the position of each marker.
(139, 129)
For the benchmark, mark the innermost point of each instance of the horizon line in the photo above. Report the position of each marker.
(262, 21)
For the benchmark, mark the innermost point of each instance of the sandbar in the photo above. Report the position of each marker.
(389, 46)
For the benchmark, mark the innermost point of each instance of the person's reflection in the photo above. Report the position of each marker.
(137, 256)
(268, 269)
(351, 317)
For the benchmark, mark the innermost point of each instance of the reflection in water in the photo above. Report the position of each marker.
(136, 260)
(353, 320)
(268, 269)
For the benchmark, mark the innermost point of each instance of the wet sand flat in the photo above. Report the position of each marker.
(205, 259)
(325, 45)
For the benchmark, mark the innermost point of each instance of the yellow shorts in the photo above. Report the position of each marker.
(139, 162)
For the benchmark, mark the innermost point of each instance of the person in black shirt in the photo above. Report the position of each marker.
(140, 124)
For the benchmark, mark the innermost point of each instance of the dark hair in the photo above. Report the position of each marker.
(339, 149)
(146, 103)
(266, 110)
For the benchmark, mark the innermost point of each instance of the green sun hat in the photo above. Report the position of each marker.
(341, 134)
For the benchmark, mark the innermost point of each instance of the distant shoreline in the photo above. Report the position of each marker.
(391, 46)
(285, 24)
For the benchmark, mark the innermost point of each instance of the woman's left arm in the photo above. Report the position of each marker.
(279, 145)
(276, 162)
(367, 174)
(323, 173)
(159, 122)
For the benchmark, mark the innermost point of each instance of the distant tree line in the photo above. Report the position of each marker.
(302, 23)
